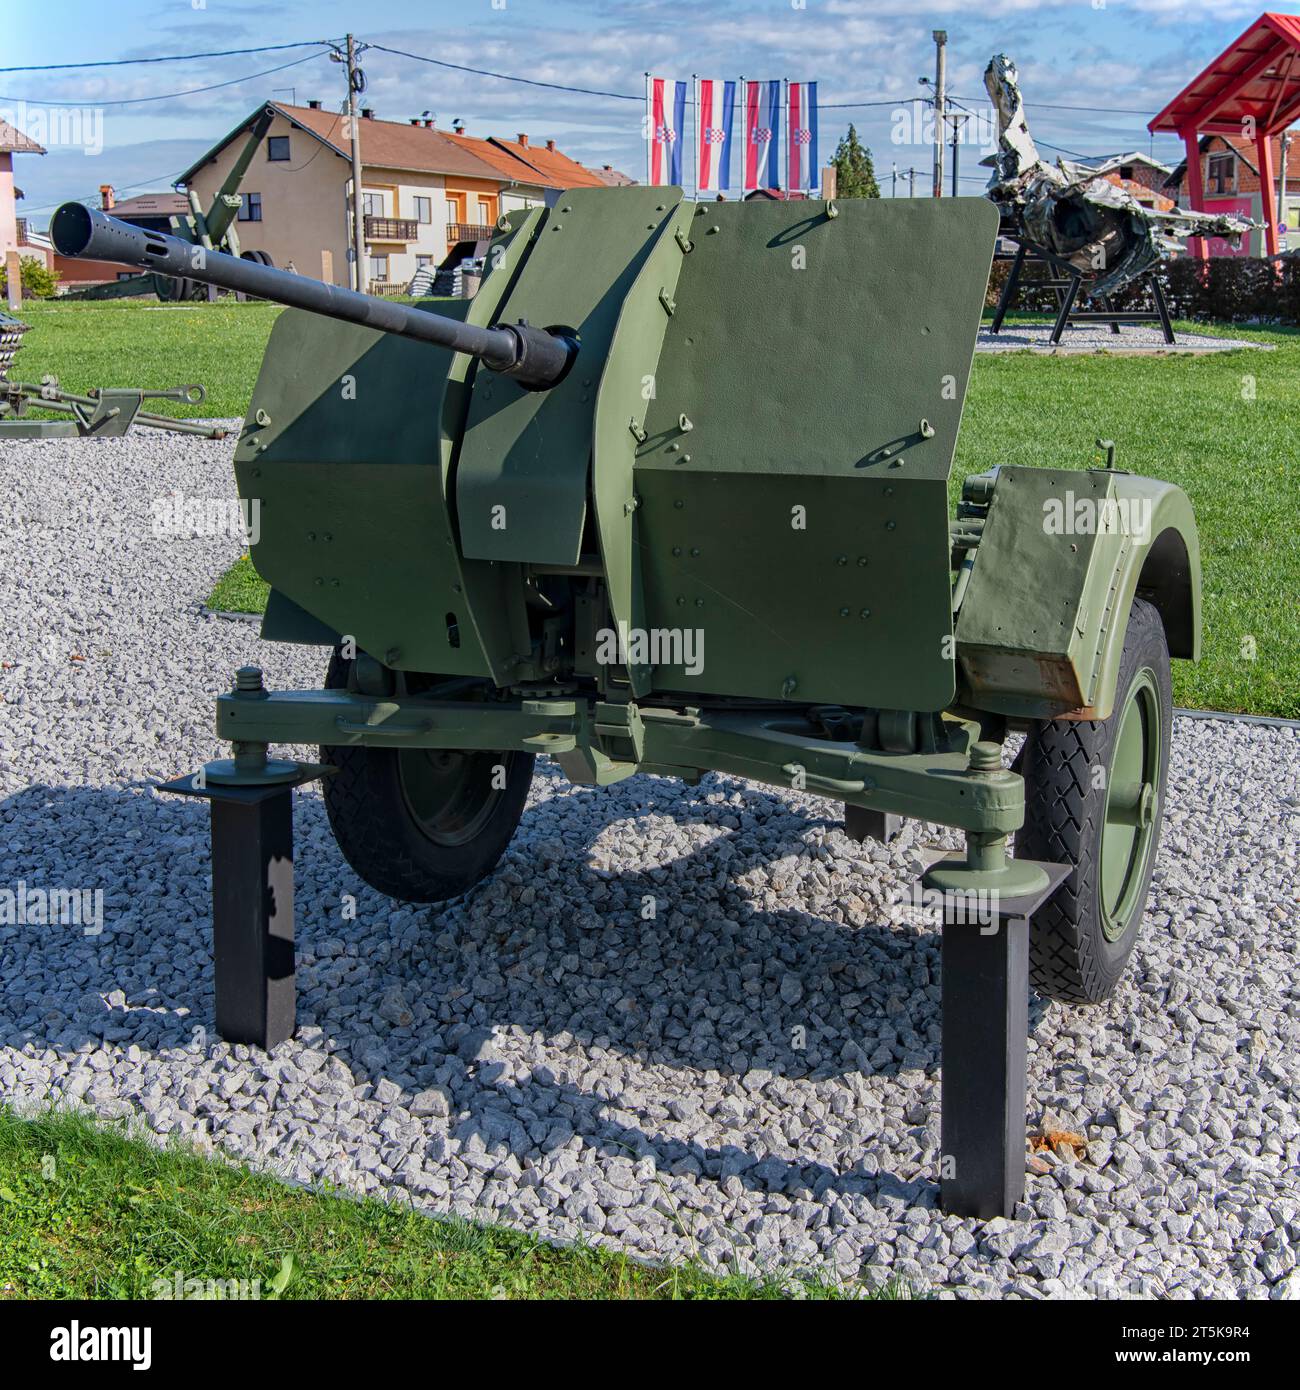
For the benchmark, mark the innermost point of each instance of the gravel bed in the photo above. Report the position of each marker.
(1132, 338)
(750, 1078)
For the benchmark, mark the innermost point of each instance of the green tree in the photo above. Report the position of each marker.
(855, 174)
(38, 283)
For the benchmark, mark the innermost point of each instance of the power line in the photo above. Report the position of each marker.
(585, 91)
(843, 105)
(170, 58)
(168, 179)
(1052, 106)
(89, 197)
(167, 96)
(506, 77)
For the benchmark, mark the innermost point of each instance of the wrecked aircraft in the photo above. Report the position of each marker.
(1068, 211)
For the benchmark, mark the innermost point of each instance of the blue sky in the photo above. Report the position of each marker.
(1117, 55)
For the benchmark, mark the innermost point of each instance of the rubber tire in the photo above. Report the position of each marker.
(1070, 959)
(381, 839)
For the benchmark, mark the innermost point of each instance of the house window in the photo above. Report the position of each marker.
(378, 267)
(423, 209)
(423, 262)
(277, 147)
(484, 212)
(1126, 171)
(372, 204)
(1222, 174)
(453, 209)
(250, 207)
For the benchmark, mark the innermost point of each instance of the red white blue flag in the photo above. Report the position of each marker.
(762, 135)
(715, 103)
(666, 129)
(801, 142)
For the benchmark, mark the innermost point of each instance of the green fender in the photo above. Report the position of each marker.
(1062, 555)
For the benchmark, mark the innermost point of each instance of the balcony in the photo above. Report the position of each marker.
(469, 231)
(391, 228)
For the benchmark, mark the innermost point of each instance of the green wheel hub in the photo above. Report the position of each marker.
(450, 794)
(1133, 806)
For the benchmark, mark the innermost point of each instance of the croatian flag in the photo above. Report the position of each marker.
(714, 109)
(801, 145)
(762, 135)
(666, 128)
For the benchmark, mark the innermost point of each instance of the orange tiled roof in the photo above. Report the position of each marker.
(152, 205)
(394, 144)
(13, 141)
(503, 161)
(402, 145)
(614, 178)
(558, 169)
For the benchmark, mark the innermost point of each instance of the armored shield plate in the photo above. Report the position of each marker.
(522, 478)
(792, 486)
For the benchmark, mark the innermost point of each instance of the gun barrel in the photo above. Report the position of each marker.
(222, 212)
(535, 357)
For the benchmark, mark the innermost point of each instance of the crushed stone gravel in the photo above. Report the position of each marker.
(748, 1078)
(1133, 338)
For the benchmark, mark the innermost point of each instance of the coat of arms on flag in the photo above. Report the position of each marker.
(665, 127)
(715, 102)
(762, 135)
(801, 145)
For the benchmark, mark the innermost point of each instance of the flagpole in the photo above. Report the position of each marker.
(695, 102)
(783, 117)
(647, 128)
(744, 133)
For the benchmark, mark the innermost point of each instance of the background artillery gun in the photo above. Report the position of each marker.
(214, 230)
(507, 534)
(102, 413)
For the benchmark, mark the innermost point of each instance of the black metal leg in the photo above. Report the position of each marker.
(861, 824)
(1067, 303)
(252, 918)
(1162, 308)
(985, 1024)
(1110, 309)
(1008, 291)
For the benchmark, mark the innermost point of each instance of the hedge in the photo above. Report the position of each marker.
(1227, 289)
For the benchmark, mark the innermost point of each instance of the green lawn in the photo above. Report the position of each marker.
(125, 342)
(1185, 419)
(86, 1212)
(240, 590)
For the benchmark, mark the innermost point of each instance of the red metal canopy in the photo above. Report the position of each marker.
(1257, 77)
(1251, 90)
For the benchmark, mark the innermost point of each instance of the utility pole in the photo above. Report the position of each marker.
(940, 98)
(958, 119)
(893, 181)
(911, 175)
(356, 83)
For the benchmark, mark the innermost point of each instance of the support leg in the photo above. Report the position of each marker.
(1162, 307)
(985, 1025)
(1008, 291)
(252, 918)
(1067, 303)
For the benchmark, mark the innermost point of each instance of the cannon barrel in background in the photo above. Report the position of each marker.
(535, 357)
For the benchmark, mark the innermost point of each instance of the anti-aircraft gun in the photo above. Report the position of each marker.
(670, 496)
